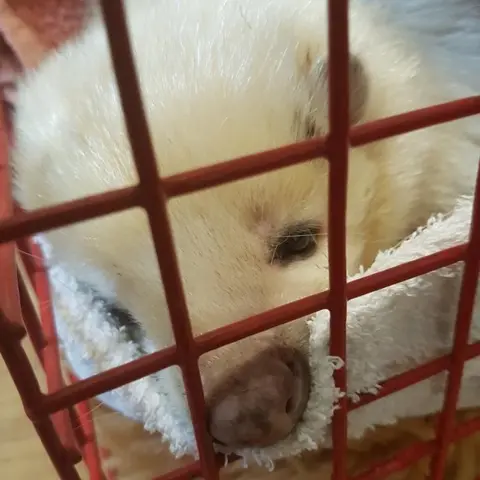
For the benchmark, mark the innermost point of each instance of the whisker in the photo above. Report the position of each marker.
(29, 254)
(105, 414)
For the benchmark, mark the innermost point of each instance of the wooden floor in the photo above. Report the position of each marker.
(22, 456)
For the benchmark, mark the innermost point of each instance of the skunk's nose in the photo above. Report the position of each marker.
(262, 403)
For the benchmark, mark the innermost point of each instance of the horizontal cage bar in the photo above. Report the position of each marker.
(99, 205)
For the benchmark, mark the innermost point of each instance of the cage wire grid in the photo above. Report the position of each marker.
(61, 416)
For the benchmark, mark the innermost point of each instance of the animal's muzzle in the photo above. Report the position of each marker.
(263, 402)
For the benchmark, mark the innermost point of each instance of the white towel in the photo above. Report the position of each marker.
(389, 331)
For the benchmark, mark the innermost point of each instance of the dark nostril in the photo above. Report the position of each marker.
(292, 399)
(289, 406)
(297, 401)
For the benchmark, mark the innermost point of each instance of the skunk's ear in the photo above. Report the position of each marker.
(315, 74)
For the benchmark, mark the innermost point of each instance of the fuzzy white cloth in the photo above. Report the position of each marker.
(389, 331)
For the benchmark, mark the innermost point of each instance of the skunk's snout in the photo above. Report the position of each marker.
(263, 402)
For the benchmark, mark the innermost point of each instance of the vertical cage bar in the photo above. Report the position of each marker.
(50, 353)
(45, 345)
(90, 451)
(154, 200)
(77, 426)
(27, 385)
(84, 428)
(462, 331)
(30, 318)
(337, 145)
(12, 333)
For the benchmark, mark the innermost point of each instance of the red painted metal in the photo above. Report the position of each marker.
(56, 439)
(154, 201)
(415, 452)
(413, 376)
(30, 318)
(71, 429)
(462, 332)
(82, 422)
(94, 206)
(337, 154)
(194, 470)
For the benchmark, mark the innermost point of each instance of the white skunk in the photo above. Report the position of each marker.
(225, 78)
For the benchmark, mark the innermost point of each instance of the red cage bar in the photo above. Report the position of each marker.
(337, 154)
(53, 413)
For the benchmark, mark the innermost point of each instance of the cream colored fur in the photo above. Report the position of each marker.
(221, 79)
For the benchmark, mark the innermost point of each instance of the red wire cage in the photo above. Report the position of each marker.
(56, 414)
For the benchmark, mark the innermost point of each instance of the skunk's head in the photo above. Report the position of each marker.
(226, 90)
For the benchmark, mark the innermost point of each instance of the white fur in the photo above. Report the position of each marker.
(220, 79)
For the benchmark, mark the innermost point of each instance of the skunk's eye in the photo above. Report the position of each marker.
(297, 242)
